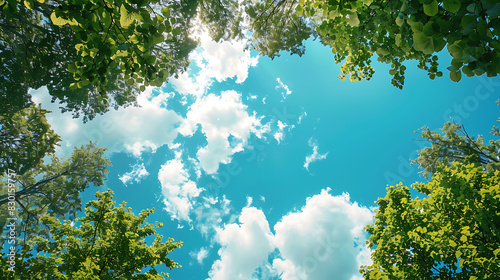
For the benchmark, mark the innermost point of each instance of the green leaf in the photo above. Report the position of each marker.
(467, 71)
(456, 51)
(456, 76)
(353, 20)
(423, 43)
(123, 47)
(494, 12)
(431, 9)
(474, 8)
(57, 20)
(461, 262)
(134, 39)
(126, 18)
(399, 21)
(452, 6)
(299, 10)
(29, 4)
(72, 67)
(166, 12)
(158, 38)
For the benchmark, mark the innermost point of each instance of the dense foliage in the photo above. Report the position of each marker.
(108, 242)
(451, 233)
(91, 55)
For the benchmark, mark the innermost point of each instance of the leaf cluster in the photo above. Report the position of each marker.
(91, 55)
(451, 233)
(408, 29)
(107, 243)
(456, 145)
(54, 188)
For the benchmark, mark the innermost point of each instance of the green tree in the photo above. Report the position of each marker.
(395, 31)
(25, 139)
(276, 27)
(107, 243)
(451, 233)
(53, 188)
(457, 145)
(91, 55)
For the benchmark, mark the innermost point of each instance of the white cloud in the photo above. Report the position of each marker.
(322, 239)
(245, 246)
(315, 156)
(279, 135)
(210, 214)
(178, 191)
(121, 130)
(217, 60)
(138, 173)
(200, 256)
(227, 59)
(220, 117)
(301, 117)
(281, 85)
(286, 270)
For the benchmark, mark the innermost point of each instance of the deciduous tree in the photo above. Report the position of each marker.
(457, 145)
(54, 188)
(453, 232)
(108, 242)
(25, 139)
(91, 55)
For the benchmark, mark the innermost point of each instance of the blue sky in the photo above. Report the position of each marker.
(269, 169)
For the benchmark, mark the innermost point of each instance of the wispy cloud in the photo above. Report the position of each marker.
(200, 255)
(315, 156)
(138, 173)
(281, 85)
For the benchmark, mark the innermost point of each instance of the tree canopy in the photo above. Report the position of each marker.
(54, 188)
(451, 233)
(108, 242)
(395, 31)
(457, 145)
(91, 55)
(25, 139)
(96, 55)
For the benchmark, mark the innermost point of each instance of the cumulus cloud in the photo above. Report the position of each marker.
(322, 239)
(138, 173)
(178, 191)
(217, 61)
(245, 246)
(121, 130)
(315, 156)
(220, 117)
(286, 91)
